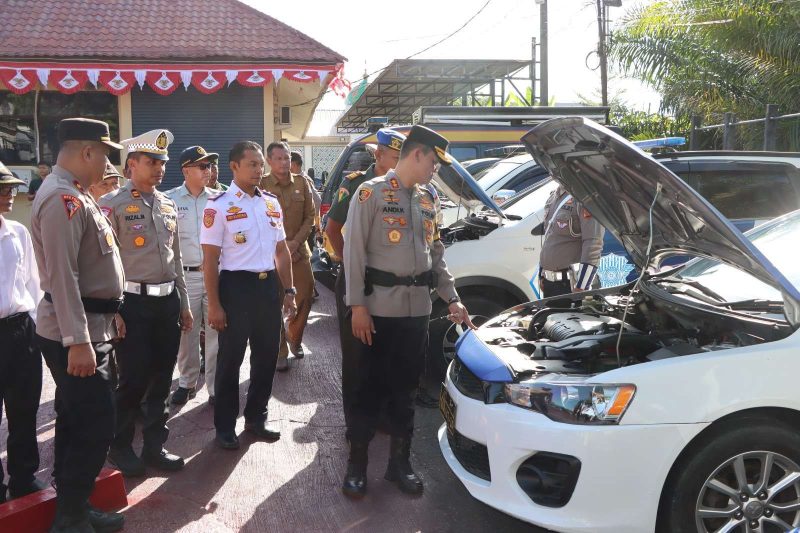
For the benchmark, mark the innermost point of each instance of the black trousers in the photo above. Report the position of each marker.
(556, 288)
(84, 426)
(146, 358)
(387, 373)
(20, 390)
(350, 348)
(253, 313)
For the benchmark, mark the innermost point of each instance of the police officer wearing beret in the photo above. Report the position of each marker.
(156, 304)
(393, 259)
(20, 359)
(387, 153)
(571, 247)
(81, 273)
(190, 199)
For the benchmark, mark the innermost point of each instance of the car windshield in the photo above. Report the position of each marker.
(776, 241)
(496, 172)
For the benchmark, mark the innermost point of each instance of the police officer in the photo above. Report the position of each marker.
(109, 183)
(571, 236)
(393, 258)
(81, 274)
(191, 198)
(156, 300)
(297, 204)
(243, 246)
(387, 153)
(20, 359)
(214, 182)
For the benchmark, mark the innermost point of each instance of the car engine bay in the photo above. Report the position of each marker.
(471, 228)
(535, 339)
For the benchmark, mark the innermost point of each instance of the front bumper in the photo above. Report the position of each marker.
(623, 468)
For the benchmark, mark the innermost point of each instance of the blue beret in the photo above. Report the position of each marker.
(389, 137)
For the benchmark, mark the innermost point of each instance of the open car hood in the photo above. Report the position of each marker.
(461, 188)
(617, 182)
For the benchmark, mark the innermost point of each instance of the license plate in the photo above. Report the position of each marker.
(448, 409)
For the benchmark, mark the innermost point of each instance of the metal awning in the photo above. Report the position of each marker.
(407, 84)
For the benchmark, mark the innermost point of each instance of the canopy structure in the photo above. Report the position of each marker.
(407, 84)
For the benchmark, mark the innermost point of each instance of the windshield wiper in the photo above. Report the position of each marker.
(755, 304)
(697, 285)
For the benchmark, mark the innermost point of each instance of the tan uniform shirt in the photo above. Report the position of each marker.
(148, 236)
(572, 235)
(297, 204)
(78, 256)
(394, 229)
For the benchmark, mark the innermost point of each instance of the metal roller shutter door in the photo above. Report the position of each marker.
(214, 121)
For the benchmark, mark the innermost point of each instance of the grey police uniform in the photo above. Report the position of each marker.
(190, 219)
(81, 273)
(571, 236)
(393, 258)
(155, 294)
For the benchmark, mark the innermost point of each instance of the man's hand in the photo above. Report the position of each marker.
(121, 329)
(460, 315)
(363, 326)
(81, 360)
(289, 307)
(296, 256)
(216, 318)
(293, 246)
(187, 320)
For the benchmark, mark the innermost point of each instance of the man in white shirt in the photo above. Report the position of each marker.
(191, 198)
(20, 359)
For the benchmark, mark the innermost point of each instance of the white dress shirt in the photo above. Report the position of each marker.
(247, 228)
(19, 276)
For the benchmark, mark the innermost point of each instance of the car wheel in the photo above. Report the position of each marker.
(746, 479)
(443, 334)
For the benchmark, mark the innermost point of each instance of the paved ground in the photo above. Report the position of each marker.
(291, 485)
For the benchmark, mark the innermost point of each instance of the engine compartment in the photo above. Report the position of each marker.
(585, 339)
(470, 228)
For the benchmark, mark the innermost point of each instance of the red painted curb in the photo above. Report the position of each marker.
(34, 513)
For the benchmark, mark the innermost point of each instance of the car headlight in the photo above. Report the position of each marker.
(573, 403)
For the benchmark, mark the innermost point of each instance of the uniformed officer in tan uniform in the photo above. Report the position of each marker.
(571, 247)
(387, 153)
(81, 273)
(393, 258)
(156, 304)
(297, 204)
(110, 182)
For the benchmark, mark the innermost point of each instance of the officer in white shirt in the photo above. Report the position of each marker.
(244, 244)
(190, 199)
(20, 359)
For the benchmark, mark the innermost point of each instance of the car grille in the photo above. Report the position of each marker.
(465, 381)
(473, 456)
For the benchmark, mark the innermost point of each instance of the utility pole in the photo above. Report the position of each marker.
(602, 43)
(544, 96)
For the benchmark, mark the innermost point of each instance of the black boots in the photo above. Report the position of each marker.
(399, 469)
(355, 481)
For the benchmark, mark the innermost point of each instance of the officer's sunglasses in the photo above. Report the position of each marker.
(202, 166)
(8, 190)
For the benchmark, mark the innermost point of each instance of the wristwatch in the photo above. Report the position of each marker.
(453, 300)
(290, 290)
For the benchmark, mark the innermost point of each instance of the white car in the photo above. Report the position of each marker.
(669, 404)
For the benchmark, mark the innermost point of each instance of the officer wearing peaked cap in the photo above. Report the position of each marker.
(82, 277)
(156, 304)
(393, 258)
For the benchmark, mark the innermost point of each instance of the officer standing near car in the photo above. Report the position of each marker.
(190, 199)
(244, 253)
(156, 304)
(20, 358)
(387, 153)
(393, 258)
(81, 274)
(571, 236)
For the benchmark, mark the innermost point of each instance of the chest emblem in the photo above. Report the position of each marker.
(137, 227)
(395, 236)
(390, 197)
(363, 194)
(208, 217)
(138, 241)
(561, 225)
(106, 211)
(239, 237)
(425, 203)
(236, 216)
(132, 208)
(167, 209)
(395, 220)
(270, 206)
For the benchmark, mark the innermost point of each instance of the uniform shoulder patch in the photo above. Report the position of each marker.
(267, 193)
(585, 213)
(208, 217)
(354, 175)
(364, 193)
(72, 205)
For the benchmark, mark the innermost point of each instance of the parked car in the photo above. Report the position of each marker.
(476, 166)
(494, 257)
(666, 404)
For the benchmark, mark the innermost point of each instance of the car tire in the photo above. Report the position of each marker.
(442, 334)
(700, 495)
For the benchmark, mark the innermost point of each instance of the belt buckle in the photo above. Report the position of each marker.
(153, 290)
(262, 275)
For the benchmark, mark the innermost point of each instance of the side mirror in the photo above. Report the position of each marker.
(324, 176)
(503, 195)
(538, 229)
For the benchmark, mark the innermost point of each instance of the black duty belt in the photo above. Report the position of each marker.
(246, 274)
(13, 320)
(95, 305)
(192, 269)
(381, 278)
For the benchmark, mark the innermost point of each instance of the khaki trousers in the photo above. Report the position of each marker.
(304, 283)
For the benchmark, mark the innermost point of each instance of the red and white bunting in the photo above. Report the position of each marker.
(118, 79)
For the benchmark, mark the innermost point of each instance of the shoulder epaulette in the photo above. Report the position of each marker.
(217, 196)
(354, 175)
(267, 193)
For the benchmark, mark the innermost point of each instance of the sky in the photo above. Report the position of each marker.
(371, 35)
